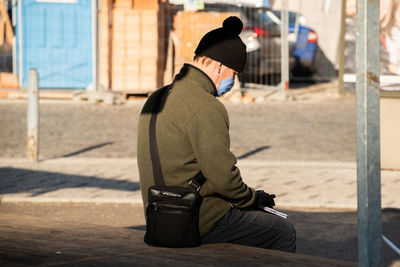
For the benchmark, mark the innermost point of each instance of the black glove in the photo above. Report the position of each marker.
(264, 199)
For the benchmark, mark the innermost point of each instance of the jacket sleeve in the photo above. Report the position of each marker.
(208, 132)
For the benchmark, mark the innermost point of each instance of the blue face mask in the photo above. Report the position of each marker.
(225, 86)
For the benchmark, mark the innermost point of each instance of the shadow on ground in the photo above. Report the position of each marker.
(87, 149)
(334, 234)
(253, 152)
(14, 180)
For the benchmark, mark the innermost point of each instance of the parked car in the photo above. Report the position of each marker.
(262, 36)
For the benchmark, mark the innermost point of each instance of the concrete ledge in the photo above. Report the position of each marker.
(104, 96)
(43, 94)
(51, 241)
(233, 255)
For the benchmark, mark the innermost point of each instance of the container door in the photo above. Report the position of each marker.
(57, 41)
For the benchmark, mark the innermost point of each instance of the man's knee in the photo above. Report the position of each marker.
(288, 240)
(276, 232)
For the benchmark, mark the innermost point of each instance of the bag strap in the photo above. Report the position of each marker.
(155, 159)
(198, 181)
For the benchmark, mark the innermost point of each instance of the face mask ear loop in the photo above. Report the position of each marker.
(219, 74)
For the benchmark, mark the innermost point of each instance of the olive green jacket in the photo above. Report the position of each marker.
(193, 136)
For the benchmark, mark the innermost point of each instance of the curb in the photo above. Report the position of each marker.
(7, 199)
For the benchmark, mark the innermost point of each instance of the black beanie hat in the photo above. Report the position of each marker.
(224, 45)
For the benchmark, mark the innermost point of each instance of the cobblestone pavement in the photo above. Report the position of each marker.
(105, 180)
(295, 130)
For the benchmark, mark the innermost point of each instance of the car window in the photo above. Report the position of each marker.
(255, 16)
(261, 17)
(292, 16)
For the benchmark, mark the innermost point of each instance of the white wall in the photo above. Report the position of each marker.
(390, 132)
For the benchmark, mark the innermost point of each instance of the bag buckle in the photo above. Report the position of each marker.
(198, 187)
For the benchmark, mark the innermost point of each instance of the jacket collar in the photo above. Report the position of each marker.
(196, 75)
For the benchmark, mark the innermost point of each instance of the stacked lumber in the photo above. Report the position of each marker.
(8, 80)
(133, 42)
(130, 58)
(145, 4)
(135, 50)
(190, 27)
(6, 30)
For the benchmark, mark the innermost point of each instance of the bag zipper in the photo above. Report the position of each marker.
(156, 205)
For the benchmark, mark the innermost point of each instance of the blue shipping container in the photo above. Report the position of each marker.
(57, 41)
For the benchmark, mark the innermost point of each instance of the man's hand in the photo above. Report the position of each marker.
(264, 199)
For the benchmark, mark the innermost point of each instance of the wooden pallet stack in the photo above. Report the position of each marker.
(6, 30)
(130, 56)
(7, 80)
(133, 42)
(190, 27)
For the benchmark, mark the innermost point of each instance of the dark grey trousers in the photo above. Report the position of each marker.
(253, 228)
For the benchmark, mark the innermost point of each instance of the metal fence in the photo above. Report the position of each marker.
(262, 36)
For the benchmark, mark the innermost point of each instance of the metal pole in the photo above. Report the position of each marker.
(14, 45)
(20, 70)
(341, 47)
(284, 48)
(327, 6)
(391, 245)
(33, 116)
(368, 134)
(297, 24)
(95, 44)
(110, 43)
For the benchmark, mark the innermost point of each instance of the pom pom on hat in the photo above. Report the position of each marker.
(233, 24)
(224, 45)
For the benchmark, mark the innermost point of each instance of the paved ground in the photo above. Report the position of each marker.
(303, 184)
(311, 129)
(304, 151)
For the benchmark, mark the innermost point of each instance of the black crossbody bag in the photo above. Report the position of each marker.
(172, 213)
